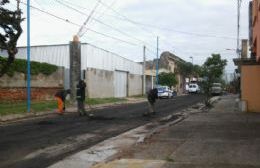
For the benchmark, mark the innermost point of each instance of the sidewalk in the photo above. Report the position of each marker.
(219, 138)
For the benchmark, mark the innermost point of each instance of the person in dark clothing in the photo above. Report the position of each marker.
(61, 97)
(152, 95)
(81, 89)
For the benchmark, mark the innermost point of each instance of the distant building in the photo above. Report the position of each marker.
(168, 62)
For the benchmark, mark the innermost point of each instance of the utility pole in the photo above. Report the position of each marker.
(28, 59)
(144, 67)
(157, 63)
(239, 2)
(75, 66)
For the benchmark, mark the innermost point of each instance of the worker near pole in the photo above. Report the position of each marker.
(61, 97)
(152, 95)
(81, 88)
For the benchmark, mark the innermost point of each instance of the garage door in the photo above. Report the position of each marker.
(120, 84)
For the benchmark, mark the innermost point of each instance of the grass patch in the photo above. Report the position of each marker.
(169, 159)
(21, 107)
(40, 106)
(96, 101)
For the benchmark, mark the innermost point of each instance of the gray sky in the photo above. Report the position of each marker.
(187, 28)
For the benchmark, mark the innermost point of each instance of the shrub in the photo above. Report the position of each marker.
(20, 65)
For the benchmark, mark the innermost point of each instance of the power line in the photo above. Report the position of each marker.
(100, 22)
(147, 25)
(187, 33)
(84, 8)
(166, 29)
(104, 11)
(81, 30)
(126, 18)
(75, 24)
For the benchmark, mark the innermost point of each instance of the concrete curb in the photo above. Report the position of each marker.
(214, 99)
(110, 148)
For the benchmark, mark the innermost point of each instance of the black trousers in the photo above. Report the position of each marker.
(81, 106)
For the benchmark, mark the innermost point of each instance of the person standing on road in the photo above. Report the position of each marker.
(152, 95)
(61, 97)
(81, 88)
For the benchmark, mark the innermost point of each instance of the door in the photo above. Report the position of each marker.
(120, 84)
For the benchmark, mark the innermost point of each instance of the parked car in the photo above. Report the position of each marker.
(164, 92)
(193, 88)
(216, 89)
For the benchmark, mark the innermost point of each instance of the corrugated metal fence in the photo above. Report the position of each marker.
(91, 57)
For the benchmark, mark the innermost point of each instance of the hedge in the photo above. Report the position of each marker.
(20, 65)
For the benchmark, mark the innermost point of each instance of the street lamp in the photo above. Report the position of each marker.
(191, 60)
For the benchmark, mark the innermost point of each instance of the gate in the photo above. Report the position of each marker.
(120, 86)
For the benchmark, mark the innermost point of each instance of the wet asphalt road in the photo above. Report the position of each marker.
(44, 141)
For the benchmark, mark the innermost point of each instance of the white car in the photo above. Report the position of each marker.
(164, 92)
(216, 89)
(193, 88)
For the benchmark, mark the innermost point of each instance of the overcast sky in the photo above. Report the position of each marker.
(187, 28)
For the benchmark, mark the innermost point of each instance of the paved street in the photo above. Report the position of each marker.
(42, 142)
(220, 138)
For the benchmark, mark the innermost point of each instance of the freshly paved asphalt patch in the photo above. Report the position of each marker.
(44, 141)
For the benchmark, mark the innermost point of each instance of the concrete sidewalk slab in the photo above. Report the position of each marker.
(223, 137)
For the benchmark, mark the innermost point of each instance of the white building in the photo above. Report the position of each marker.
(107, 74)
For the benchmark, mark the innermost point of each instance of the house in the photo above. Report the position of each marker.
(249, 67)
(168, 62)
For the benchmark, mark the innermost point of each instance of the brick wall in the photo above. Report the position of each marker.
(18, 94)
(42, 87)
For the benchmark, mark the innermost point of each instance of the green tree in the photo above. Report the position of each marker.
(10, 31)
(187, 69)
(184, 69)
(196, 71)
(168, 79)
(212, 71)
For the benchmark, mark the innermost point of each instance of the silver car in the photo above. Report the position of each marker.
(216, 89)
(164, 92)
